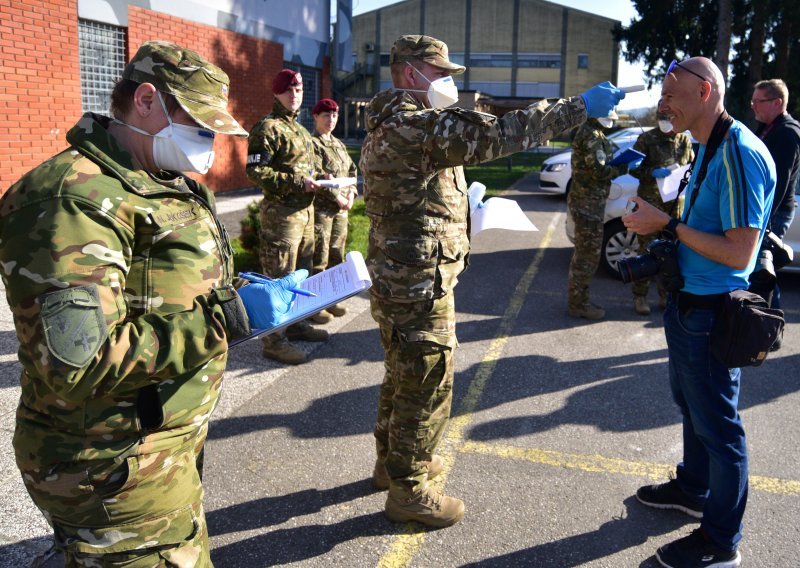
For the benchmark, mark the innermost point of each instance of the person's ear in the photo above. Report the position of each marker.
(410, 74)
(705, 90)
(144, 99)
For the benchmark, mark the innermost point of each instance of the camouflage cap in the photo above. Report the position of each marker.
(199, 86)
(423, 48)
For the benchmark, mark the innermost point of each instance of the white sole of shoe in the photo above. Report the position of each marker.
(674, 507)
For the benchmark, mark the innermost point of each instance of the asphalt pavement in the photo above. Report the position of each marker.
(556, 422)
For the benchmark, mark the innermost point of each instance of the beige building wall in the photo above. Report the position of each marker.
(540, 27)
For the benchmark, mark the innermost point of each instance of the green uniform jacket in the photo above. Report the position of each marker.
(591, 174)
(334, 160)
(280, 153)
(118, 285)
(415, 190)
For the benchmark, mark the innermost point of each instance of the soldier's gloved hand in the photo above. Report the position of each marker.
(659, 173)
(635, 164)
(267, 301)
(601, 99)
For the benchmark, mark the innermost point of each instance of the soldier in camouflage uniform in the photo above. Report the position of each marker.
(332, 204)
(661, 149)
(416, 201)
(120, 280)
(591, 182)
(282, 162)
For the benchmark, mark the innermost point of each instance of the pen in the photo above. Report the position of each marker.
(303, 292)
(256, 277)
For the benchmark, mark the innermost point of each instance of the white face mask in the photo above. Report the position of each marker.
(179, 147)
(665, 126)
(441, 93)
(606, 122)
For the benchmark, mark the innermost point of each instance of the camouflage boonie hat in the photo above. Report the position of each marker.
(423, 48)
(200, 87)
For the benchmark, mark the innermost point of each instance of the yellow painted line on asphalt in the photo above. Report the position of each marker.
(408, 544)
(600, 464)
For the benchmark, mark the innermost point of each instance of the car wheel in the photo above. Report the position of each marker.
(618, 243)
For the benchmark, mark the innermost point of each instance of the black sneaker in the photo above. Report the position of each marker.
(669, 495)
(697, 551)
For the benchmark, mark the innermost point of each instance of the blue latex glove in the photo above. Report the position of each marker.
(267, 301)
(635, 163)
(659, 173)
(601, 99)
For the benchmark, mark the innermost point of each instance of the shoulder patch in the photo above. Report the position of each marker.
(73, 322)
(258, 158)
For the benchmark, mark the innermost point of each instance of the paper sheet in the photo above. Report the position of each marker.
(337, 182)
(495, 212)
(331, 286)
(668, 186)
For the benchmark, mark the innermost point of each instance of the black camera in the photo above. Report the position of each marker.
(661, 259)
(773, 255)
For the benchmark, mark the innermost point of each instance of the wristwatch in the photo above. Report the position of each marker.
(672, 226)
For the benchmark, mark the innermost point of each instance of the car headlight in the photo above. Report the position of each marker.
(557, 167)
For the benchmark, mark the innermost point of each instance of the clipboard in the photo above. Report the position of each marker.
(331, 287)
(626, 156)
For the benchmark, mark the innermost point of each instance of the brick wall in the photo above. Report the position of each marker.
(40, 96)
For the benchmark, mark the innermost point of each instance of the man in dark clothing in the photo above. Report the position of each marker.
(781, 134)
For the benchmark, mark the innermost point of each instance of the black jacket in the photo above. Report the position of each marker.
(783, 141)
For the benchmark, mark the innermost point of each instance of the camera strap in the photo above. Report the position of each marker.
(718, 133)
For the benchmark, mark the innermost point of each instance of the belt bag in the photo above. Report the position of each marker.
(744, 330)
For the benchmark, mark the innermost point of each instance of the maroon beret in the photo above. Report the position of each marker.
(284, 79)
(325, 105)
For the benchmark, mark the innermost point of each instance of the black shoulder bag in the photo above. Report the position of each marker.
(745, 327)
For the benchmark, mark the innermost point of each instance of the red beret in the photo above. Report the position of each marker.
(325, 105)
(284, 79)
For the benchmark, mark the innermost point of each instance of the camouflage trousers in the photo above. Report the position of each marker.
(287, 238)
(585, 258)
(418, 340)
(651, 195)
(330, 236)
(144, 512)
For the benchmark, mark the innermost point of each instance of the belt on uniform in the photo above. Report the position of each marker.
(687, 301)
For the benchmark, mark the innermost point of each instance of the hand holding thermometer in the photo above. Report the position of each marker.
(631, 89)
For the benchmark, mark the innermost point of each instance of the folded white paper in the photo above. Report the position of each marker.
(495, 212)
(668, 186)
(337, 182)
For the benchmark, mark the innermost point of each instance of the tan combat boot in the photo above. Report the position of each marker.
(662, 300)
(303, 330)
(640, 306)
(425, 506)
(322, 317)
(282, 351)
(337, 311)
(590, 311)
(380, 477)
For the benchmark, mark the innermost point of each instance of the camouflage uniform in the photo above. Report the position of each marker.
(330, 221)
(416, 201)
(591, 182)
(120, 284)
(660, 150)
(280, 153)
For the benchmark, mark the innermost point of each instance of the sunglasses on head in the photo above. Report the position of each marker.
(675, 64)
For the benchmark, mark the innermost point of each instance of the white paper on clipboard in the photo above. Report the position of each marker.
(668, 186)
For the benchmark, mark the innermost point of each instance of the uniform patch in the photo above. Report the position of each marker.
(258, 158)
(175, 215)
(601, 157)
(74, 326)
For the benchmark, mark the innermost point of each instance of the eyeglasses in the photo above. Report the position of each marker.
(675, 64)
(754, 102)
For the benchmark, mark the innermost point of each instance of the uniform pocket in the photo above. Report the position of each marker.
(404, 269)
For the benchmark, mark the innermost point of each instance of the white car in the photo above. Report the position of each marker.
(792, 238)
(556, 174)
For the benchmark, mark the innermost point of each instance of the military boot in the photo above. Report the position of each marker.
(590, 311)
(662, 300)
(282, 351)
(303, 330)
(425, 505)
(380, 477)
(322, 317)
(337, 311)
(640, 306)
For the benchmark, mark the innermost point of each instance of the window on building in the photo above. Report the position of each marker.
(583, 61)
(506, 59)
(101, 54)
(311, 88)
